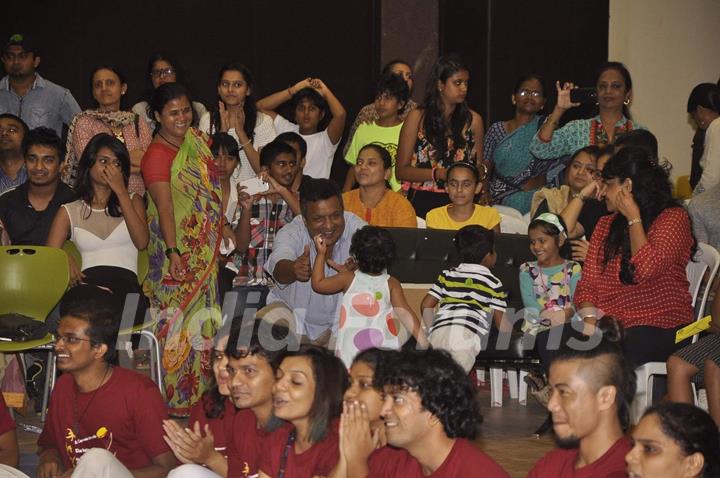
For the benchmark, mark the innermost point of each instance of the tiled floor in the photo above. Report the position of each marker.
(506, 435)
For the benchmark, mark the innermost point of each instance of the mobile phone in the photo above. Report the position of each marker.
(583, 95)
(254, 186)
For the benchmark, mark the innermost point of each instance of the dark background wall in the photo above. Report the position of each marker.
(344, 43)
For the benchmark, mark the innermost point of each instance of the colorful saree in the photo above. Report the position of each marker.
(187, 313)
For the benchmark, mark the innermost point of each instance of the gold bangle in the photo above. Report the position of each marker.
(637, 220)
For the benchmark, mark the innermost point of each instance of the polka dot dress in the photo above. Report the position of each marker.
(366, 318)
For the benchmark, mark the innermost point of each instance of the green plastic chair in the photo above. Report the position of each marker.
(33, 279)
(143, 265)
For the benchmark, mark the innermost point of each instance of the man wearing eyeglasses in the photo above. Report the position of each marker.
(104, 421)
(24, 93)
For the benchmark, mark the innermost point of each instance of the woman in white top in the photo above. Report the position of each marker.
(106, 224)
(163, 69)
(704, 107)
(236, 115)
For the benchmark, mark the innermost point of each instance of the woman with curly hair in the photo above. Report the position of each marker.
(635, 265)
(371, 297)
(675, 440)
(442, 131)
(429, 412)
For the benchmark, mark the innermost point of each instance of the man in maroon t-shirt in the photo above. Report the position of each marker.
(103, 420)
(8, 439)
(431, 416)
(591, 393)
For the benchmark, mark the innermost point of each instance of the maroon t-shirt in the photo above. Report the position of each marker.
(220, 427)
(124, 416)
(319, 459)
(247, 443)
(560, 463)
(6, 421)
(465, 459)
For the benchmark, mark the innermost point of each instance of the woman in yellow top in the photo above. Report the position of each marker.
(463, 184)
(373, 201)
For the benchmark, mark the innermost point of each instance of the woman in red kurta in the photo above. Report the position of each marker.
(635, 266)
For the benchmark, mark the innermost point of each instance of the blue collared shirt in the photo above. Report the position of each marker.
(45, 104)
(314, 313)
(6, 182)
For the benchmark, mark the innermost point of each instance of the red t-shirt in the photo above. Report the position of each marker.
(156, 163)
(319, 459)
(247, 443)
(561, 463)
(6, 421)
(660, 296)
(220, 427)
(465, 459)
(124, 416)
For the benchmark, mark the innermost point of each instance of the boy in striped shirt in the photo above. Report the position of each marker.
(469, 297)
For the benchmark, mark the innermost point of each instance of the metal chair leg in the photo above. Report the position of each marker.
(49, 383)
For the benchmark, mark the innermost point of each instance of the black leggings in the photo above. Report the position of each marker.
(642, 344)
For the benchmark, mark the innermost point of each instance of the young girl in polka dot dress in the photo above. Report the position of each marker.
(371, 299)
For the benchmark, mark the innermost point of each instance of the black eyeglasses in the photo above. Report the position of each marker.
(525, 92)
(69, 339)
(162, 72)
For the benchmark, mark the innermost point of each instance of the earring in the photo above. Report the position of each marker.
(236, 172)
(626, 102)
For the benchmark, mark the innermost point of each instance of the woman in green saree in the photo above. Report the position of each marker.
(184, 217)
(516, 174)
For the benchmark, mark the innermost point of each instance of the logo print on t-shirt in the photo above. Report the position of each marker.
(76, 447)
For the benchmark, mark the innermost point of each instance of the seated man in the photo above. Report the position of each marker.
(293, 300)
(300, 147)
(27, 211)
(431, 418)
(12, 163)
(590, 399)
(103, 421)
(311, 101)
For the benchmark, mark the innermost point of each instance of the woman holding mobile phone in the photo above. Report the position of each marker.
(614, 95)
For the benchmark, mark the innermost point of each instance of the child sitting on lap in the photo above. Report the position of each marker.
(469, 295)
(371, 298)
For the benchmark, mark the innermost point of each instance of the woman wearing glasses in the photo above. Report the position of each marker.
(162, 69)
(515, 177)
(614, 94)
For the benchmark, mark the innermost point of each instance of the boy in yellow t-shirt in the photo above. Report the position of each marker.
(391, 96)
(463, 184)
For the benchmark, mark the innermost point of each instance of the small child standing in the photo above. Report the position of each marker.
(469, 298)
(371, 299)
(463, 184)
(548, 284)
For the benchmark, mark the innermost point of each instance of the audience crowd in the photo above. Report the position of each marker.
(284, 340)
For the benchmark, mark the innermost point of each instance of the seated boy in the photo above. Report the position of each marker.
(103, 420)
(391, 96)
(264, 214)
(463, 184)
(311, 101)
(469, 295)
(300, 146)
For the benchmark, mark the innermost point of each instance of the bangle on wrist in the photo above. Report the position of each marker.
(290, 91)
(172, 250)
(579, 196)
(589, 316)
(245, 143)
(637, 220)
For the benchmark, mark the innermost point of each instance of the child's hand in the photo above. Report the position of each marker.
(320, 244)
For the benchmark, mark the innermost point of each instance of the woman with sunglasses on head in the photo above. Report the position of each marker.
(108, 88)
(515, 173)
(161, 69)
(444, 130)
(308, 393)
(107, 224)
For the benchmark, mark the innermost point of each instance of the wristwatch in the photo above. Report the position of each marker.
(170, 250)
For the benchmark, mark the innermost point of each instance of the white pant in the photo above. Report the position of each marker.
(95, 463)
(462, 343)
(192, 471)
(10, 472)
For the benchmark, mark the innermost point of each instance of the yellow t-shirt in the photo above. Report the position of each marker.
(485, 216)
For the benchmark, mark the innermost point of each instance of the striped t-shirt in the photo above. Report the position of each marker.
(468, 294)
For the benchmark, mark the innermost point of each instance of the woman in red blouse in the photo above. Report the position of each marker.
(635, 266)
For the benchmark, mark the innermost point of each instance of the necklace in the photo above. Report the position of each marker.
(77, 418)
(168, 141)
